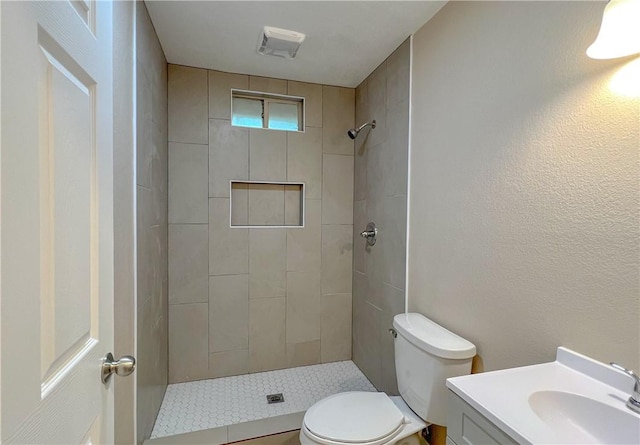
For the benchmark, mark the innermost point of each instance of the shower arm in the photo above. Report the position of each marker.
(372, 123)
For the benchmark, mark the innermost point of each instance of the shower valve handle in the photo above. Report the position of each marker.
(370, 234)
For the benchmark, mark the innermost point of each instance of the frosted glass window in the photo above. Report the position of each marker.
(247, 112)
(283, 116)
(260, 110)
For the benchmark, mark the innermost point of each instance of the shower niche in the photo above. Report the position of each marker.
(265, 204)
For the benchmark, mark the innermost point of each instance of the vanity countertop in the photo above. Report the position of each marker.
(573, 400)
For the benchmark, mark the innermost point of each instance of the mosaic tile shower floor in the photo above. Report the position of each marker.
(212, 403)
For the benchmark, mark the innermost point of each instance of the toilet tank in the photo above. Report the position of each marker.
(427, 354)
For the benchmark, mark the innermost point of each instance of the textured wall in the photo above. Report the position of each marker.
(247, 300)
(151, 164)
(524, 202)
(381, 196)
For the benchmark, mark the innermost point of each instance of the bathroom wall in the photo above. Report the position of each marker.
(246, 300)
(151, 191)
(381, 196)
(124, 215)
(524, 231)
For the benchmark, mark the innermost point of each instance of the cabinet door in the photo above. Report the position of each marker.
(466, 426)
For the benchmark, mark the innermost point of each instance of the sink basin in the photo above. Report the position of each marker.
(582, 420)
(573, 400)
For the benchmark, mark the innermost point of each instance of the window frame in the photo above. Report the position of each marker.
(266, 99)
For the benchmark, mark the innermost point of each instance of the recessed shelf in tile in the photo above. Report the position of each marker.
(266, 204)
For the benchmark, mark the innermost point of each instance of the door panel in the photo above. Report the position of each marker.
(56, 222)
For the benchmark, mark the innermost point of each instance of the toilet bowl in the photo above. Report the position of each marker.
(426, 354)
(359, 417)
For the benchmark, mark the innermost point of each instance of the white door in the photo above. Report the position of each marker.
(56, 221)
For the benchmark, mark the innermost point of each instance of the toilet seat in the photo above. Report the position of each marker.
(357, 417)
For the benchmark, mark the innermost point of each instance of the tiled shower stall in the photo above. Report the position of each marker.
(257, 299)
(245, 300)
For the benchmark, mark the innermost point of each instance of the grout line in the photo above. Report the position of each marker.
(188, 143)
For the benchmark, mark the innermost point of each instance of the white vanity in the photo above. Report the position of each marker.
(573, 400)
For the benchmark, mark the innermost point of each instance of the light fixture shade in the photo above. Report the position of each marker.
(619, 34)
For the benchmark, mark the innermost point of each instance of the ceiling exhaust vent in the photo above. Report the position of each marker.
(280, 42)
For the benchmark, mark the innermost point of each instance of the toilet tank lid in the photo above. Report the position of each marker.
(432, 338)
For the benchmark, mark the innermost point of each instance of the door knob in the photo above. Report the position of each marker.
(122, 367)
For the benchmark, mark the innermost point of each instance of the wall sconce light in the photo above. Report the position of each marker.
(619, 34)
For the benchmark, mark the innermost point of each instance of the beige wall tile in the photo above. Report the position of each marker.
(338, 112)
(312, 93)
(392, 303)
(396, 160)
(267, 263)
(266, 205)
(188, 178)
(228, 247)
(240, 204)
(150, 90)
(398, 72)
(144, 131)
(336, 328)
(395, 226)
(304, 160)
(187, 104)
(360, 246)
(337, 189)
(160, 177)
(360, 175)
(228, 312)
(293, 205)
(267, 348)
(228, 363)
(220, 85)
(303, 354)
(362, 116)
(366, 341)
(144, 240)
(267, 85)
(361, 101)
(337, 253)
(267, 155)
(188, 263)
(281, 321)
(304, 245)
(377, 104)
(303, 306)
(228, 156)
(188, 342)
(149, 337)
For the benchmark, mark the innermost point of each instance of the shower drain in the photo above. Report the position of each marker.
(275, 398)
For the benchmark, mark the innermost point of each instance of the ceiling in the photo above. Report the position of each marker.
(346, 40)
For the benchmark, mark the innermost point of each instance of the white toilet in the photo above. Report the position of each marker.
(426, 354)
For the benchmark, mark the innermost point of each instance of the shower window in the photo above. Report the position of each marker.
(271, 111)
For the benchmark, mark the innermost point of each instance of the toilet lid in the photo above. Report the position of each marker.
(354, 417)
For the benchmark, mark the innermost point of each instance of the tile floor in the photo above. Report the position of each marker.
(213, 403)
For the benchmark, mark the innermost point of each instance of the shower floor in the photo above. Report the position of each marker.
(214, 403)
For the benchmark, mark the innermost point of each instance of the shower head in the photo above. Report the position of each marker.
(353, 133)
